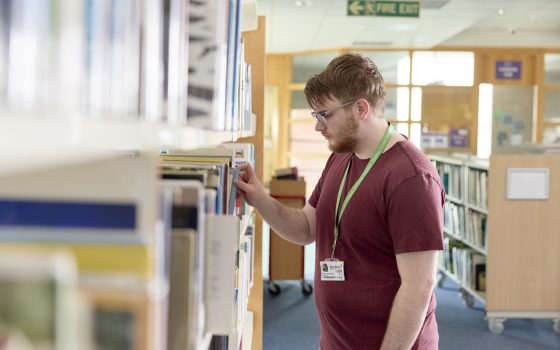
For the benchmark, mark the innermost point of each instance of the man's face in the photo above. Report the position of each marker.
(339, 127)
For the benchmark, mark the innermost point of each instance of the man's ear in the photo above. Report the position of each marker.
(363, 108)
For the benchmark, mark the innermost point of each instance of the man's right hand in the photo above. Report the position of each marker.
(248, 186)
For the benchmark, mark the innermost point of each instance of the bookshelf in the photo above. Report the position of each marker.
(516, 241)
(465, 216)
(85, 121)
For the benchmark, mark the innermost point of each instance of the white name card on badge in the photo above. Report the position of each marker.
(527, 183)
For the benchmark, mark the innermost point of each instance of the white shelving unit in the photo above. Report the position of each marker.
(29, 143)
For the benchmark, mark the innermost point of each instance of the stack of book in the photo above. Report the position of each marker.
(162, 245)
(221, 229)
(290, 173)
(104, 214)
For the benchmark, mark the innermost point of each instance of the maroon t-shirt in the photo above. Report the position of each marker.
(397, 209)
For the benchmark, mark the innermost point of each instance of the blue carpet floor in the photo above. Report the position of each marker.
(290, 323)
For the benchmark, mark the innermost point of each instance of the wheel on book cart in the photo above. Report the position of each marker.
(306, 288)
(468, 299)
(274, 288)
(556, 325)
(496, 325)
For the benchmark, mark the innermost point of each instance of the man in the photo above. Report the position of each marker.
(381, 251)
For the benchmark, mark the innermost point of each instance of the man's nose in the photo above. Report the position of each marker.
(319, 126)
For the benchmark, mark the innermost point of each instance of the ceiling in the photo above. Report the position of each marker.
(323, 24)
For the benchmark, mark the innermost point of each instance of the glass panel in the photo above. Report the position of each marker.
(300, 108)
(298, 100)
(415, 134)
(393, 65)
(416, 110)
(308, 146)
(304, 66)
(484, 137)
(442, 68)
(512, 116)
(304, 139)
(305, 132)
(445, 136)
(446, 104)
(396, 104)
(552, 106)
(552, 69)
(402, 128)
(551, 134)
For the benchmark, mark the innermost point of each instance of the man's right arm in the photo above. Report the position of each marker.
(294, 225)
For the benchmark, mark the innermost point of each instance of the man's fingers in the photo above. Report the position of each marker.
(241, 185)
(246, 171)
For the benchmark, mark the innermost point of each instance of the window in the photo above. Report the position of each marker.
(552, 106)
(396, 104)
(551, 134)
(305, 66)
(552, 69)
(393, 65)
(443, 68)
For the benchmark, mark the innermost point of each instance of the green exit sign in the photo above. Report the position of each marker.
(383, 8)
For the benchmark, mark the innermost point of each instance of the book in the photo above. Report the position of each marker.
(219, 178)
(478, 272)
(38, 301)
(181, 325)
(208, 62)
(108, 200)
(233, 63)
(243, 153)
(120, 317)
(184, 173)
(187, 263)
(234, 205)
(221, 253)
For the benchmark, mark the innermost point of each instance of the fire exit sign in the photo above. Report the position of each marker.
(383, 8)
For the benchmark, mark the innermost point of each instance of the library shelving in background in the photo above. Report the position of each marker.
(91, 93)
(502, 251)
(465, 221)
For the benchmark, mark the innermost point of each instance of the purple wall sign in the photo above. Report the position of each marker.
(510, 70)
(459, 137)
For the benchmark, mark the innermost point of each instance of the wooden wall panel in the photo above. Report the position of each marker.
(528, 67)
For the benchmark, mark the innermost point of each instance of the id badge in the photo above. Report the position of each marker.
(332, 270)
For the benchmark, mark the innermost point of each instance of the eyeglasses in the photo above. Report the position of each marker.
(322, 116)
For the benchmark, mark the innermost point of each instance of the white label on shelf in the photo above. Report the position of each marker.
(527, 183)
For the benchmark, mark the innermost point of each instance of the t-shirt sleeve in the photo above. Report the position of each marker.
(314, 199)
(415, 214)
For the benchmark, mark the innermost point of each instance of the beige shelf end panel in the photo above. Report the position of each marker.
(524, 239)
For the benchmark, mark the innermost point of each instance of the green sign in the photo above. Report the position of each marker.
(383, 8)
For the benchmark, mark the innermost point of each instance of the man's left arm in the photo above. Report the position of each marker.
(418, 277)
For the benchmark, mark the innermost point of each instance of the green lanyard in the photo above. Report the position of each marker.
(376, 154)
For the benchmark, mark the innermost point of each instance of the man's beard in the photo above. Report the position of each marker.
(346, 139)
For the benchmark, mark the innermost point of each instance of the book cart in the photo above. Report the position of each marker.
(486, 234)
(286, 260)
(523, 278)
